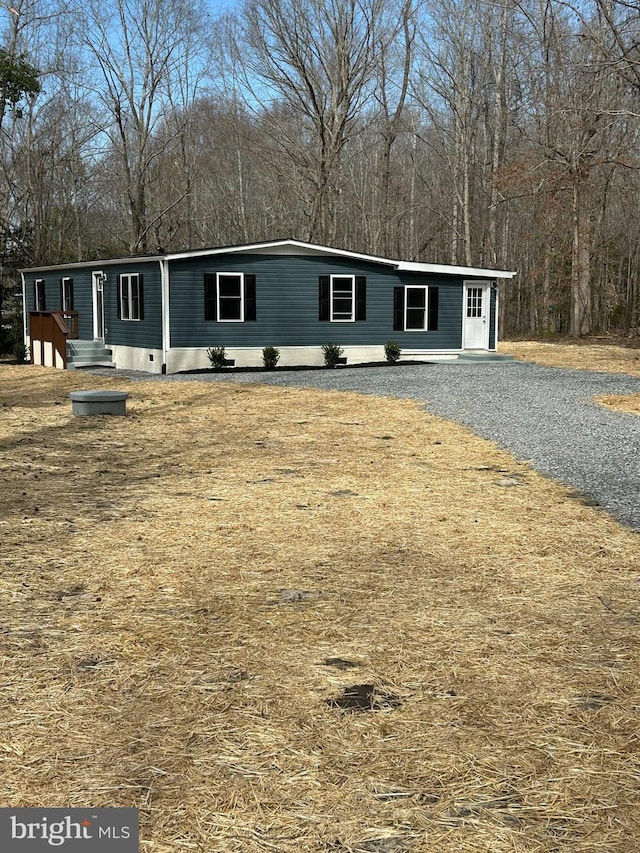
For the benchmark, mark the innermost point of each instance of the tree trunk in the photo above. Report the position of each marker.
(581, 259)
(499, 133)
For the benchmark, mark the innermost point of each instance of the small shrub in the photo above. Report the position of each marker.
(217, 356)
(392, 351)
(270, 357)
(20, 353)
(332, 354)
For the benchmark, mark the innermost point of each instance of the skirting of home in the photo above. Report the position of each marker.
(197, 359)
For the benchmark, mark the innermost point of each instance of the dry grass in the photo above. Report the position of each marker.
(582, 356)
(629, 403)
(151, 659)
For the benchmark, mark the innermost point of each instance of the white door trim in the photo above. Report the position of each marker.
(97, 289)
(472, 338)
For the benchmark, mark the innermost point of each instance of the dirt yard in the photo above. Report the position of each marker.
(187, 592)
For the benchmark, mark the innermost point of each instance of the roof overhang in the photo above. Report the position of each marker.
(291, 247)
(445, 269)
(280, 247)
(298, 247)
(96, 263)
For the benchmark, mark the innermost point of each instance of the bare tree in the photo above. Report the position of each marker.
(141, 51)
(453, 77)
(394, 49)
(577, 96)
(316, 60)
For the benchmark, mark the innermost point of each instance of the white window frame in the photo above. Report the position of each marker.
(352, 318)
(65, 293)
(472, 302)
(129, 277)
(425, 326)
(239, 275)
(39, 290)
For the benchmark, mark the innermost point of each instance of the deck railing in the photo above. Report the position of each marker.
(70, 319)
(48, 332)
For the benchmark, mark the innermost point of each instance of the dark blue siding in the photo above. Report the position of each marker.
(83, 302)
(449, 333)
(146, 333)
(82, 297)
(287, 304)
(29, 296)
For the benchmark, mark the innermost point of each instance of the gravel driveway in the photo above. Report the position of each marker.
(544, 415)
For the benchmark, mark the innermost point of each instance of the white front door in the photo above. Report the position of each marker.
(475, 329)
(98, 305)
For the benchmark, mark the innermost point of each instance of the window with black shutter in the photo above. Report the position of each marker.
(415, 308)
(230, 297)
(342, 298)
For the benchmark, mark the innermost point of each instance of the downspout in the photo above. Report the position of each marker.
(495, 286)
(24, 311)
(166, 327)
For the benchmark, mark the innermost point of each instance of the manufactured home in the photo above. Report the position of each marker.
(162, 313)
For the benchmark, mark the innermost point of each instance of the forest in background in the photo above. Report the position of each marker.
(498, 134)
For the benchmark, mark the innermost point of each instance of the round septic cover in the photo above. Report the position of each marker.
(97, 396)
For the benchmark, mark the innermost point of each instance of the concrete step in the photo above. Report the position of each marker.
(484, 356)
(88, 354)
(102, 355)
(470, 358)
(85, 346)
(78, 365)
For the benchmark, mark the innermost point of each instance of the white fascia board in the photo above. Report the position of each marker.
(273, 247)
(95, 264)
(445, 269)
(224, 250)
(304, 248)
(315, 249)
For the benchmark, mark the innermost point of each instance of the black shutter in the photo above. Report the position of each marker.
(210, 297)
(323, 298)
(249, 298)
(398, 309)
(119, 297)
(62, 294)
(140, 297)
(361, 297)
(70, 292)
(432, 316)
